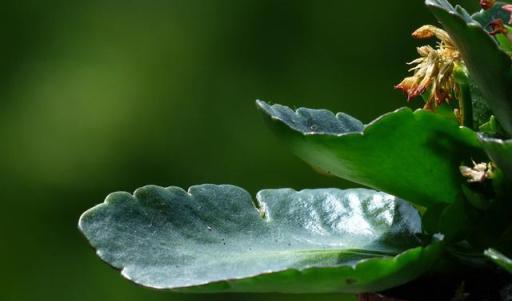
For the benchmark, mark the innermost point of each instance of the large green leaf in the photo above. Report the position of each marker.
(488, 65)
(214, 238)
(499, 259)
(500, 151)
(414, 155)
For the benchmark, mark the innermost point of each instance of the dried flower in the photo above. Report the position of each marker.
(487, 4)
(497, 27)
(434, 69)
(478, 173)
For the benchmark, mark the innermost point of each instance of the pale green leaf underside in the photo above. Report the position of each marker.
(214, 238)
(414, 155)
(500, 259)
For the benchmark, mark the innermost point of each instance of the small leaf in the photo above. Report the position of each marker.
(488, 65)
(500, 259)
(491, 127)
(500, 151)
(413, 155)
(214, 238)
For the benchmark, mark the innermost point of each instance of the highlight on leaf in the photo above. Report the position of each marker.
(444, 192)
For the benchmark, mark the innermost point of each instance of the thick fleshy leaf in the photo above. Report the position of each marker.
(500, 259)
(488, 65)
(215, 238)
(413, 155)
(500, 151)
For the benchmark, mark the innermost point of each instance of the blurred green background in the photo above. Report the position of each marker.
(99, 96)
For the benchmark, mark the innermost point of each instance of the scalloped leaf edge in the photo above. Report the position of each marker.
(433, 250)
(262, 105)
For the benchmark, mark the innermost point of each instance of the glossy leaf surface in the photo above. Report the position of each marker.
(488, 65)
(215, 238)
(414, 155)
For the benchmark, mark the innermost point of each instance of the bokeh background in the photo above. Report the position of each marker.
(100, 96)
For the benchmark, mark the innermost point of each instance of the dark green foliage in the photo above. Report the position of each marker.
(401, 152)
(488, 65)
(455, 167)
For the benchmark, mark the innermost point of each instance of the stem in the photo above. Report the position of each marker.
(465, 105)
(464, 96)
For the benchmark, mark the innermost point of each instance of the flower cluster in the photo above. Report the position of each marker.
(433, 70)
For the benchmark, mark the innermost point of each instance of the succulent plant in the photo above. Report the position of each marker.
(437, 205)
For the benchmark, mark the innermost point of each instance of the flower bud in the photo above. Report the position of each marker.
(508, 8)
(429, 31)
(487, 4)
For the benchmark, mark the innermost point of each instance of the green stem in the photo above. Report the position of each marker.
(465, 105)
(464, 96)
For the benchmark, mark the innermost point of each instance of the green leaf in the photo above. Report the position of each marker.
(481, 111)
(500, 259)
(500, 151)
(413, 155)
(215, 238)
(455, 221)
(487, 64)
(504, 43)
(491, 127)
(430, 219)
